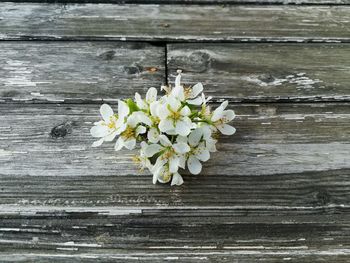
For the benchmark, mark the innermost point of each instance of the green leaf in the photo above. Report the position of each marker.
(132, 105)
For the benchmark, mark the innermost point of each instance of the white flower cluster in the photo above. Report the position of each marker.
(177, 129)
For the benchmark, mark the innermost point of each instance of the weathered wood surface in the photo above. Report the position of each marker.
(214, 2)
(265, 72)
(94, 71)
(277, 191)
(175, 22)
(298, 152)
(78, 71)
(273, 256)
(158, 234)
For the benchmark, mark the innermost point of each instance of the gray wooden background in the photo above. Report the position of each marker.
(278, 190)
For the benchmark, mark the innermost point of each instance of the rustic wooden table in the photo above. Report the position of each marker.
(278, 190)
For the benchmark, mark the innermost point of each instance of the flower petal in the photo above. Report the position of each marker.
(174, 103)
(155, 176)
(173, 164)
(182, 161)
(194, 165)
(196, 101)
(202, 153)
(106, 112)
(178, 80)
(142, 117)
(99, 131)
(140, 102)
(110, 137)
(210, 144)
(195, 136)
(182, 128)
(217, 114)
(130, 143)
(166, 125)
(162, 111)
(206, 131)
(154, 106)
(180, 138)
(224, 104)
(179, 93)
(185, 111)
(181, 147)
(132, 120)
(159, 164)
(228, 115)
(177, 179)
(151, 95)
(153, 135)
(196, 89)
(119, 144)
(121, 127)
(123, 109)
(226, 129)
(140, 130)
(164, 140)
(152, 149)
(97, 143)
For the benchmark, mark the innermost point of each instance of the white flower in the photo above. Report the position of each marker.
(221, 117)
(111, 125)
(198, 152)
(210, 142)
(170, 155)
(151, 96)
(174, 117)
(173, 132)
(132, 129)
(189, 95)
(142, 160)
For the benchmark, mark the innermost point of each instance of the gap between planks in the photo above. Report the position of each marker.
(56, 72)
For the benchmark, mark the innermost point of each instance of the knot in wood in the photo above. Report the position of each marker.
(61, 130)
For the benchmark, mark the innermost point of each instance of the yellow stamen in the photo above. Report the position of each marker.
(166, 176)
(168, 153)
(187, 92)
(128, 133)
(111, 125)
(175, 115)
(155, 120)
(136, 159)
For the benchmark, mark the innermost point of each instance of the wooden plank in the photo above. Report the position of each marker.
(58, 72)
(265, 72)
(215, 2)
(212, 234)
(175, 22)
(281, 155)
(313, 256)
(78, 71)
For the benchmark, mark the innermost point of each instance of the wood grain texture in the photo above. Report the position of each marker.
(78, 71)
(209, 234)
(265, 72)
(282, 155)
(311, 256)
(213, 2)
(175, 22)
(74, 72)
